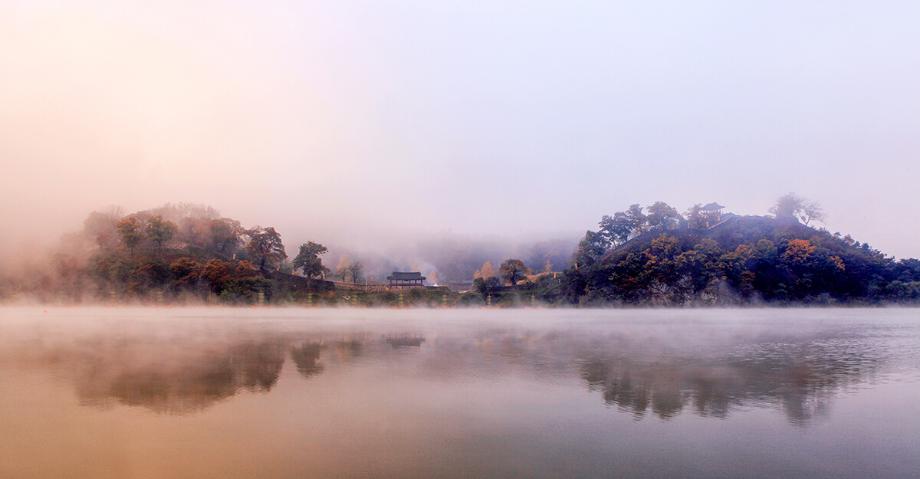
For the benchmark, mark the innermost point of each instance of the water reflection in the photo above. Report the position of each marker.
(402, 341)
(174, 380)
(665, 390)
(191, 370)
(306, 357)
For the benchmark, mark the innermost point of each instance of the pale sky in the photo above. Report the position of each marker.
(354, 121)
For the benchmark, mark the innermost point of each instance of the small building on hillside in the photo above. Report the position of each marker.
(712, 212)
(406, 279)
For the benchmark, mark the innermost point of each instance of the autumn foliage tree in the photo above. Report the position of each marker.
(265, 248)
(129, 229)
(485, 271)
(225, 237)
(159, 231)
(798, 251)
(512, 270)
(308, 260)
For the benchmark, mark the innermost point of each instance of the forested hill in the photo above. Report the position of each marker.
(172, 253)
(707, 258)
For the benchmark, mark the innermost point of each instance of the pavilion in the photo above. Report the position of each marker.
(713, 213)
(406, 279)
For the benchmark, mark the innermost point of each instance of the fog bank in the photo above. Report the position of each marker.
(366, 122)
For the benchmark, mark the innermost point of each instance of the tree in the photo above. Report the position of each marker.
(130, 231)
(811, 211)
(695, 218)
(342, 269)
(225, 237)
(798, 251)
(664, 247)
(794, 207)
(485, 271)
(637, 219)
(354, 270)
(348, 269)
(617, 228)
(660, 261)
(186, 270)
(102, 227)
(308, 259)
(590, 250)
(787, 206)
(486, 286)
(216, 272)
(623, 225)
(512, 269)
(266, 248)
(663, 214)
(159, 230)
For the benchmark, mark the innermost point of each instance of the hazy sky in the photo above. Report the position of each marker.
(350, 121)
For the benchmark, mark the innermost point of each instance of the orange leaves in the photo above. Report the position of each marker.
(798, 250)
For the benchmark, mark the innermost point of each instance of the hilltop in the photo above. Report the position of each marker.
(707, 258)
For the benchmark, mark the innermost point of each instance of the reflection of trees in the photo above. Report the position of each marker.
(656, 374)
(636, 390)
(179, 383)
(347, 350)
(642, 373)
(306, 357)
(800, 379)
(184, 373)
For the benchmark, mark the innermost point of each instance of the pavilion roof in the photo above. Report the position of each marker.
(406, 276)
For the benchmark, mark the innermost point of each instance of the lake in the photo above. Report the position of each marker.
(299, 393)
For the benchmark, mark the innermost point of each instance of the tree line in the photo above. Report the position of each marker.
(651, 255)
(657, 256)
(179, 251)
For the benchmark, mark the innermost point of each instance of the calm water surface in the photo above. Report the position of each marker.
(299, 393)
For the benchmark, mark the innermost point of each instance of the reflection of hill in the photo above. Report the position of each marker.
(639, 369)
(181, 374)
(664, 375)
(798, 378)
(180, 383)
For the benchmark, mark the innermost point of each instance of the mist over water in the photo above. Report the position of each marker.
(183, 392)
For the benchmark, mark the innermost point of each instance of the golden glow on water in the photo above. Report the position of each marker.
(147, 393)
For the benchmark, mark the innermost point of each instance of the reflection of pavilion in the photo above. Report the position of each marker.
(405, 341)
